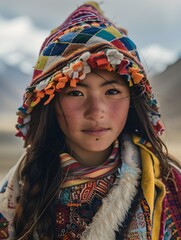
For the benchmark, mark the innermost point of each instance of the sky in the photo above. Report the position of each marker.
(153, 25)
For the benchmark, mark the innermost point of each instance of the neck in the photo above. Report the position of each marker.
(93, 159)
(89, 158)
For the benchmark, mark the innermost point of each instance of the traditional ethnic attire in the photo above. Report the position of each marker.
(121, 199)
(124, 198)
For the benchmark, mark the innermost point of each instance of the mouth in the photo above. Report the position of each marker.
(96, 131)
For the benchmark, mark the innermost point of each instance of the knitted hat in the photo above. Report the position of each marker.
(86, 40)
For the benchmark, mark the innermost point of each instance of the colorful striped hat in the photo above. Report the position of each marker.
(86, 40)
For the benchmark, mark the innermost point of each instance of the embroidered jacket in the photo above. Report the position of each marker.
(138, 206)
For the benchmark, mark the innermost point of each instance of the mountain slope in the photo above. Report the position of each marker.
(12, 85)
(167, 88)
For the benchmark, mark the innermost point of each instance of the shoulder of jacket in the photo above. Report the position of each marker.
(174, 176)
(11, 176)
(175, 167)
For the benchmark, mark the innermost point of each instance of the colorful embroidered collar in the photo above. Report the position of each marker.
(76, 174)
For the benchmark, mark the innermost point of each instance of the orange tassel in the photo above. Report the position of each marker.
(60, 85)
(73, 82)
(50, 91)
(40, 94)
(77, 65)
(57, 76)
(35, 102)
(50, 85)
(63, 79)
(49, 99)
(136, 76)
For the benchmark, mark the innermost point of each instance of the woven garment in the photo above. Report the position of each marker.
(82, 193)
(139, 223)
(77, 205)
(76, 174)
(171, 216)
(85, 41)
(154, 211)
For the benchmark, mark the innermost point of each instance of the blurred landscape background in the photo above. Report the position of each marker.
(24, 26)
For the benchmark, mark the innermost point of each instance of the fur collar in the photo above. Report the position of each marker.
(115, 206)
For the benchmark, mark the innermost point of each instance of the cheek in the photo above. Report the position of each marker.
(119, 111)
(67, 114)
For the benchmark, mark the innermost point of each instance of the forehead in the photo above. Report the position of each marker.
(102, 76)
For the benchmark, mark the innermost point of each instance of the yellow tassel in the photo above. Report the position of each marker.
(150, 180)
(95, 5)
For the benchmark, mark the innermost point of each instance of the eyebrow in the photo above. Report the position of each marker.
(107, 82)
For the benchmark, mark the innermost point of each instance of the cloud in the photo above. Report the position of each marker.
(21, 41)
(156, 58)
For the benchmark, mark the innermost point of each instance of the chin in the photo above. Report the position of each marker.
(98, 146)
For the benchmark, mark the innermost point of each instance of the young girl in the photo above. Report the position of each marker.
(95, 166)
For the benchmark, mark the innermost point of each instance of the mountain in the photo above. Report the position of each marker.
(167, 89)
(12, 83)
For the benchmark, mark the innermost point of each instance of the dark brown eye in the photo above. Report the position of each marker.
(112, 91)
(75, 93)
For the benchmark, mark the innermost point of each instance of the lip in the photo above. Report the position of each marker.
(96, 131)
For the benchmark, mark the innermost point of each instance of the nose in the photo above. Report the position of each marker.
(95, 109)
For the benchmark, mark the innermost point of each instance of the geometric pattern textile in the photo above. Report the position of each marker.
(77, 205)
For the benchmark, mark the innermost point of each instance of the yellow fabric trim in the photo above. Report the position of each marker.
(74, 183)
(87, 177)
(42, 60)
(147, 182)
(95, 5)
(158, 208)
(114, 31)
(150, 179)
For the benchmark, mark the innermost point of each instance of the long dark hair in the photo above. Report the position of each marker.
(40, 173)
(41, 170)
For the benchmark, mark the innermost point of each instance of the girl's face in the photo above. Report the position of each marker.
(93, 114)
